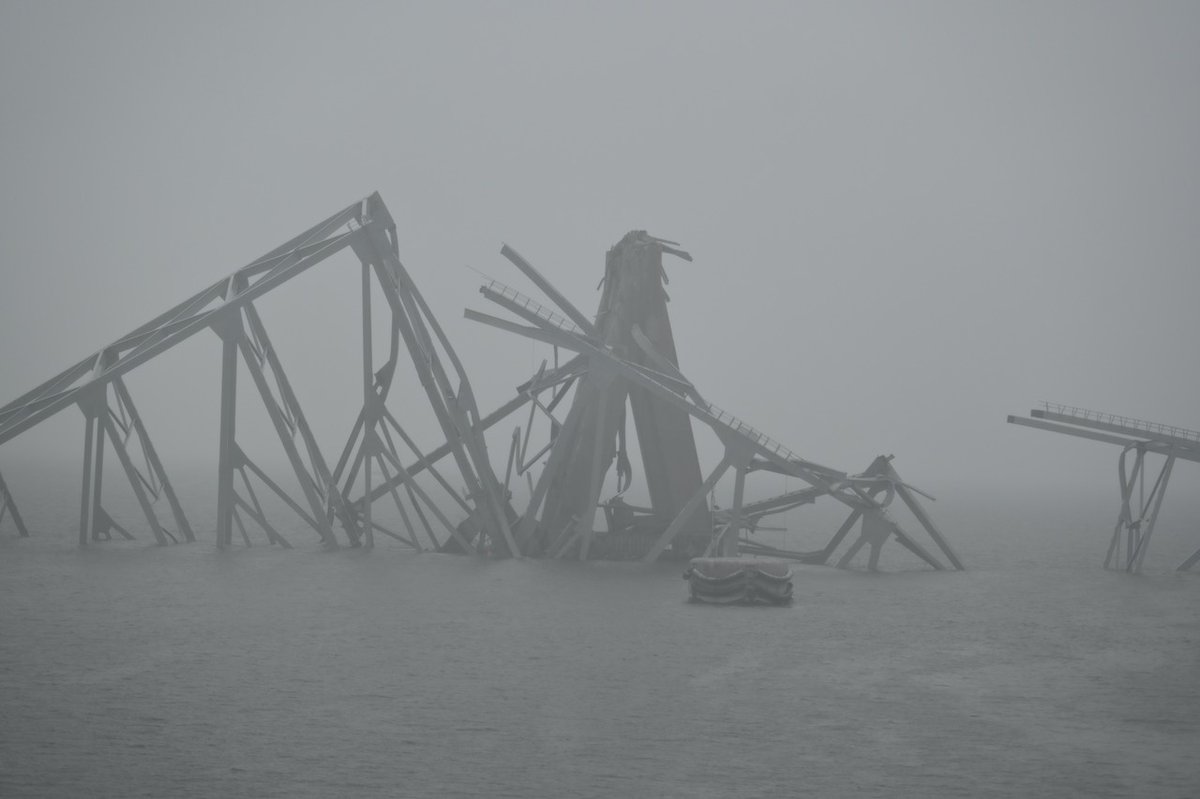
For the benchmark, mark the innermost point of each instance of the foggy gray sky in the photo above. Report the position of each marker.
(908, 220)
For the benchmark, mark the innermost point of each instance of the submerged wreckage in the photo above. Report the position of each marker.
(739, 581)
(624, 359)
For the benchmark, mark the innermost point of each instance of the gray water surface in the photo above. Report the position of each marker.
(133, 670)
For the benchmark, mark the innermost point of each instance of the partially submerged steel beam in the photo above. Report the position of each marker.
(1137, 517)
(9, 505)
(118, 423)
(227, 441)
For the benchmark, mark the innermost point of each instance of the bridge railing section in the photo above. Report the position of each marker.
(1124, 421)
(762, 439)
(539, 310)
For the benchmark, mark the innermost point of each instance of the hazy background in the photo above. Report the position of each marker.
(908, 220)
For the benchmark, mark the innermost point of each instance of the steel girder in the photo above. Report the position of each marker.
(183, 321)
(1136, 518)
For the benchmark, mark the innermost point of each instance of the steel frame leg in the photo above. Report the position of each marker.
(94, 522)
(875, 532)
(1137, 531)
(370, 404)
(227, 446)
(1125, 515)
(452, 406)
(109, 427)
(330, 497)
(102, 423)
(598, 470)
(841, 533)
(1159, 490)
(153, 461)
(688, 508)
(254, 364)
(8, 503)
(86, 504)
(924, 519)
(563, 443)
(727, 547)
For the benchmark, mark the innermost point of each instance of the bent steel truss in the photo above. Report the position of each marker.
(625, 356)
(226, 307)
(628, 352)
(1137, 516)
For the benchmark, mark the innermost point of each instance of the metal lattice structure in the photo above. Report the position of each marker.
(1137, 515)
(226, 307)
(628, 353)
(625, 357)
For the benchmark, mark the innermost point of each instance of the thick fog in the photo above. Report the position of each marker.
(908, 220)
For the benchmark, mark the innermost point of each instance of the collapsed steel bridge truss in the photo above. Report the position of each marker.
(624, 357)
(1139, 510)
(95, 386)
(627, 353)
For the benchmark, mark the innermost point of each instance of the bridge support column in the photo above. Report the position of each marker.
(229, 331)
(1137, 530)
(95, 524)
(89, 504)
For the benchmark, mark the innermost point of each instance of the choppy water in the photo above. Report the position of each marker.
(132, 670)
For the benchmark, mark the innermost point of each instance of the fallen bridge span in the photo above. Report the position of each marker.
(623, 359)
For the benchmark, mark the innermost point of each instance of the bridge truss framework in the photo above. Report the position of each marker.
(626, 353)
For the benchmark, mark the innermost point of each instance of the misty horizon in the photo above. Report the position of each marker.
(892, 253)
